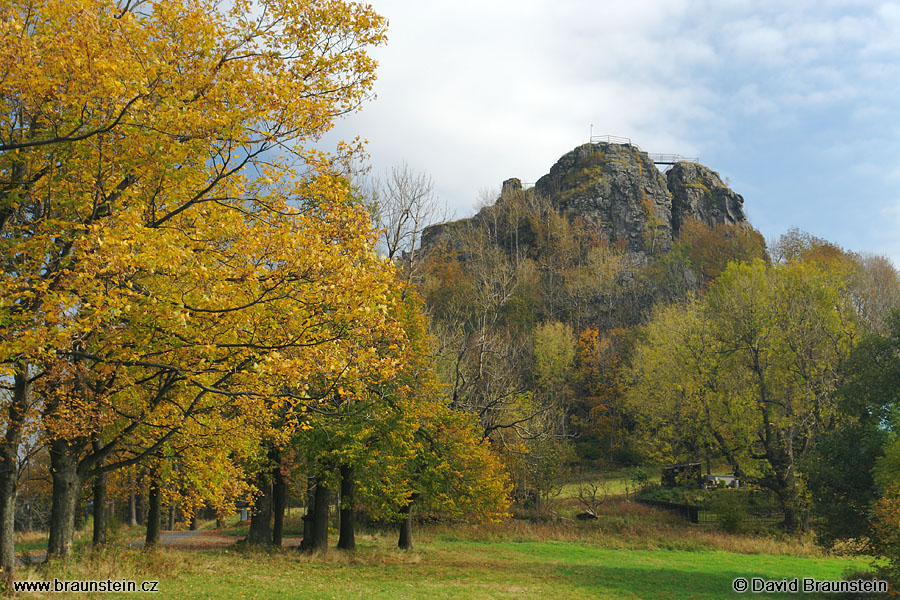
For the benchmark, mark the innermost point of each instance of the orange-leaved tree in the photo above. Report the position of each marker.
(600, 408)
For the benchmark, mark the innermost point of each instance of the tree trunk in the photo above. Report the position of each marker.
(790, 523)
(153, 514)
(260, 533)
(347, 540)
(9, 450)
(320, 518)
(788, 498)
(405, 541)
(132, 509)
(194, 519)
(66, 487)
(308, 530)
(101, 516)
(140, 508)
(782, 483)
(779, 453)
(7, 510)
(171, 526)
(279, 500)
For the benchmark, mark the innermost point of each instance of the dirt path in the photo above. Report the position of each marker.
(170, 539)
(201, 539)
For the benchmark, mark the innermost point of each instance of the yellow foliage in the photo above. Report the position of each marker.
(177, 260)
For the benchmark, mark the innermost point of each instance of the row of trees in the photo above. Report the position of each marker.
(188, 285)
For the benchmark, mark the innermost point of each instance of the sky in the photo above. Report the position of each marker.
(795, 104)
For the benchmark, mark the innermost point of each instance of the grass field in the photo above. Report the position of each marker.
(453, 569)
(631, 552)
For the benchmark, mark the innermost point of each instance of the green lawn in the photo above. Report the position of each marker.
(442, 568)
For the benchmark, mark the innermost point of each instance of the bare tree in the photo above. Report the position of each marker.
(592, 494)
(404, 204)
(875, 289)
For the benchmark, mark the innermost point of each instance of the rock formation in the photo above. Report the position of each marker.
(620, 188)
(616, 185)
(698, 192)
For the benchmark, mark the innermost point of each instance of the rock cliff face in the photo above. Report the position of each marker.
(697, 192)
(620, 188)
(616, 185)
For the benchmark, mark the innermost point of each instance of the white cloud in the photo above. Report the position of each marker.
(475, 92)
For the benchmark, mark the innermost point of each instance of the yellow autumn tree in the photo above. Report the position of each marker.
(170, 241)
(599, 408)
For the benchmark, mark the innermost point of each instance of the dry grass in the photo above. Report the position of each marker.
(30, 537)
(622, 524)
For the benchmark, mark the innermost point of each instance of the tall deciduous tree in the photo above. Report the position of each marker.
(600, 407)
(554, 362)
(153, 242)
(752, 368)
(853, 469)
(404, 203)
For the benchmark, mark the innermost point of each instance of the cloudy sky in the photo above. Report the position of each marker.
(795, 103)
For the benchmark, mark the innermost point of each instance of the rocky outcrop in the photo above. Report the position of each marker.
(442, 234)
(699, 193)
(619, 187)
(629, 199)
(511, 187)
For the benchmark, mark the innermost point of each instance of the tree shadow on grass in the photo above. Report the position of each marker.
(666, 583)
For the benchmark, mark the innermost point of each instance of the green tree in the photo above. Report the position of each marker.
(600, 413)
(854, 465)
(554, 363)
(685, 399)
(759, 359)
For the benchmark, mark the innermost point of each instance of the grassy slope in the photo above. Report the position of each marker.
(460, 570)
(510, 560)
(631, 552)
(473, 570)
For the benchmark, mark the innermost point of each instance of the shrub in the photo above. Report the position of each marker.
(731, 512)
